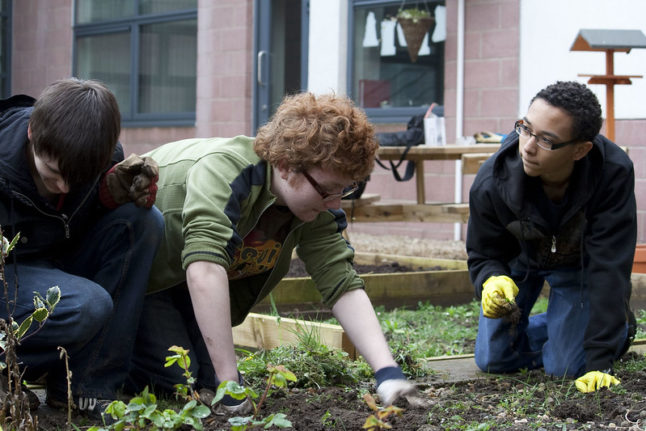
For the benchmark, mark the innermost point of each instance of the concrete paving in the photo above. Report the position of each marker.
(458, 368)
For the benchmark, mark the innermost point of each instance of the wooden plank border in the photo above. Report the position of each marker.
(261, 331)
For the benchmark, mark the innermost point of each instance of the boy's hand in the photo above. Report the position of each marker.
(132, 180)
(498, 294)
(594, 380)
(392, 384)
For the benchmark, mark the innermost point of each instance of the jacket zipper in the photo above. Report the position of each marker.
(63, 217)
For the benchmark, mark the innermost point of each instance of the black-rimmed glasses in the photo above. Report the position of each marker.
(543, 142)
(326, 196)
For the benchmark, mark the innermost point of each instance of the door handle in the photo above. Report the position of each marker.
(261, 55)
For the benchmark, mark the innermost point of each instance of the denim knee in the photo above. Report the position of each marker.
(88, 315)
(149, 223)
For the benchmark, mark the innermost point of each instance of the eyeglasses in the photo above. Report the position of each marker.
(326, 196)
(541, 141)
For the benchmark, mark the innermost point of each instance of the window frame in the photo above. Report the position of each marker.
(376, 115)
(132, 26)
(7, 37)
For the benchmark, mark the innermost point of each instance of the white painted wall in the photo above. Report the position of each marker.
(328, 46)
(548, 29)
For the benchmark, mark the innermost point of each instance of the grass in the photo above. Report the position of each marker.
(431, 330)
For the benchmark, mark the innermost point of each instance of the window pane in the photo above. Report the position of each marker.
(103, 10)
(385, 75)
(167, 67)
(159, 6)
(107, 58)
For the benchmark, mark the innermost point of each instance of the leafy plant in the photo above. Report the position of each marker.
(278, 377)
(15, 413)
(413, 13)
(379, 420)
(316, 365)
(142, 412)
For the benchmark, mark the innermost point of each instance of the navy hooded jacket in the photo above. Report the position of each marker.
(596, 233)
(45, 230)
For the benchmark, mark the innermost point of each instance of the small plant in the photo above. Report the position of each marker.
(142, 412)
(278, 377)
(378, 421)
(413, 13)
(14, 412)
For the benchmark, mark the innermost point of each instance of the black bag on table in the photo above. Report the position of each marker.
(412, 136)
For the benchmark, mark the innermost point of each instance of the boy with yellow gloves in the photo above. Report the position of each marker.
(556, 203)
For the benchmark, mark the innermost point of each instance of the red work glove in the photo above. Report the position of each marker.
(132, 180)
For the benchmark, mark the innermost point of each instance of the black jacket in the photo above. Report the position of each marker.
(45, 231)
(597, 234)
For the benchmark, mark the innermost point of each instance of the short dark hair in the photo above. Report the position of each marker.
(578, 101)
(76, 122)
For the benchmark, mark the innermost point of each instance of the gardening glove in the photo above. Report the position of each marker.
(498, 294)
(132, 180)
(391, 384)
(229, 405)
(594, 380)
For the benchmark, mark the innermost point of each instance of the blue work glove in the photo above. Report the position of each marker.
(227, 404)
(392, 384)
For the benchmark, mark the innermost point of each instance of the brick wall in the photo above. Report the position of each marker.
(490, 103)
(41, 44)
(225, 44)
(42, 53)
(632, 134)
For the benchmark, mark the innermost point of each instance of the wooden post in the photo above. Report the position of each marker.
(419, 181)
(610, 96)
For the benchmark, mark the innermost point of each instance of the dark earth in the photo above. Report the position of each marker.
(522, 401)
(297, 268)
(528, 401)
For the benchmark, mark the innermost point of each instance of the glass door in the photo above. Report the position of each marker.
(280, 47)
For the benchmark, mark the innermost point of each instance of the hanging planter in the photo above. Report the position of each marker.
(415, 23)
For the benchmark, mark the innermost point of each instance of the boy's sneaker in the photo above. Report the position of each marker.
(90, 407)
(32, 398)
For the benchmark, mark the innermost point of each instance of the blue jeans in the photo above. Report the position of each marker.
(168, 319)
(102, 283)
(552, 340)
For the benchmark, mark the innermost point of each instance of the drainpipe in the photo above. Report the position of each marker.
(459, 111)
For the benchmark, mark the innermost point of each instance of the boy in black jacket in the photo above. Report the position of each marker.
(556, 203)
(86, 225)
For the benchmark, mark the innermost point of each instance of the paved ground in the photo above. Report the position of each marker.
(460, 368)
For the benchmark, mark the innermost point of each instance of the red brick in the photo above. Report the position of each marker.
(500, 43)
(482, 16)
(472, 45)
(499, 102)
(471, 103)
(482, 73)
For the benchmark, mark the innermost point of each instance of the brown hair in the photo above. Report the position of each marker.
(77, 123)
(319, 131)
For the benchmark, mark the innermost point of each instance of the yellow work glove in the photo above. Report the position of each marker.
(594, 380)
(498, 294)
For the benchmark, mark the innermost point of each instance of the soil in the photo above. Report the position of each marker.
(297, 268)
(523, 401)
(526, 401)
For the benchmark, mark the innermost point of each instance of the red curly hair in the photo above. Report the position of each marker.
(311, 131)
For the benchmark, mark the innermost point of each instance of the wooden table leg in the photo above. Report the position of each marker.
(419, 179)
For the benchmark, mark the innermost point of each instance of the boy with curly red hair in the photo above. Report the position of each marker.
(235, 209)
